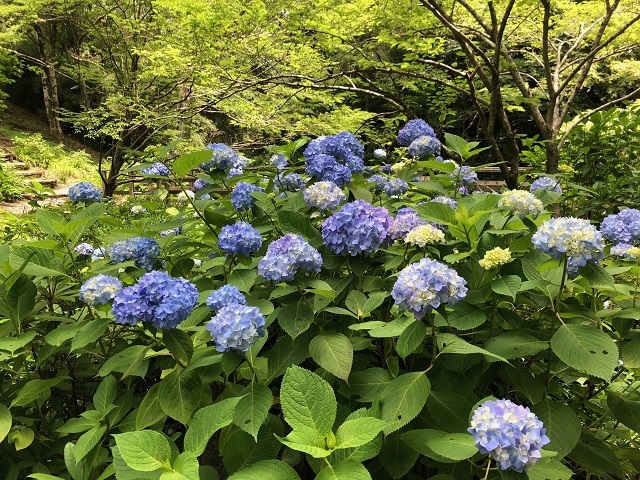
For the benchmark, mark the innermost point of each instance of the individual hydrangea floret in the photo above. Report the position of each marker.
(324, 195)
(288, 255)
(424, 235)
(241, 197)
(158, 298)
(445, 201)
(236, 327)
(406, 220)
(521, 203)
(510, 433)
(142, 250)
(138, 209)
(335, 158)
(225, 295)
(495, 257)
(157, 168)
(546, 183)
(395, 187)
(424, 147)
(84, 249)
(290, 183)
(222, 157)
(465, 178)
(413, 130)
(623, 227)
(379, 154)
(625, 250)
(574, 237)
(240, 238)
(100, 289)
(84, 192)
(279, 161)
(358, 228)
(426, 285)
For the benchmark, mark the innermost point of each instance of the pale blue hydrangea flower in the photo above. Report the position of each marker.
(624, 250)
(99, 289)
(142, 250)
(290, 183)
(406, 220)
(222, 157)
(445, 201)
(358, 228)
(241, 197)
(379, 181)
(623, 227)
(84, 192)
(225, 295)
(379, 153)
(424, 147)
(84, 249)
(521, 203)
(413, 130)
(395, 187)
(466, 179)
(175, 231)
(239, 238)
(236, 327)
(426, 285)
(157, 168)
(199, 184)
(510, 433)
(288, 255)
(279, 161)
(157, 298)
(546, 183)
(574, 237)
(138, 209)
(324, 195)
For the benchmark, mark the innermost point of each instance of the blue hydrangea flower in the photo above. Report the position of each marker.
(395, 187)
(358, 228)
(521, 203)
(386, 168)
(379, 181)
(239, 238)
(546, 183)
(510, 433)
(406, 220)
(237, 166)
(413, 130)
(335, 158)
(325, 167)
(199, 184)
(424, 147)
(158, 298)
(466, 178)
(97, 254)
(142, 250)
(225, 295)
(574, 237)
(222, 157)
(621, 250)
(241, 197)
(288, 255)
(379, 153)
(83, 249)
(99, 289)
(236, 327)
(290, 183)
(84, 192)
(279, 161)
(623, 227)
(157, 169)
(426, 285)
(176, 231)
(324, 195)
(446, 201)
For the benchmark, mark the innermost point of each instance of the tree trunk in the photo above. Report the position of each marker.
(49, 83)
(553, 155)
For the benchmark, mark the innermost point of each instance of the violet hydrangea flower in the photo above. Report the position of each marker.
(241, 197)
(225, 295)
(358, 228)
(158, 298)
(236, 327)
(406, 220)
(288, 255)
(142, 250)
(622, 227)
(324, 195)
(427, 284)
(413, 130)
(335, 158)
(239, 238)
(84, 192)
(546, 183)
(84, 249)
(445, 201)
(99, 289)
(157, 168)
(395, 187)
(510, 433)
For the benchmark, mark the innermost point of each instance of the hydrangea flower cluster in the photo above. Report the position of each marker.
(176, 231)
(622, 227)
(184, 197)
(222, 157)
(426, 285)
(157, 168)
(290, 183)
(424, 235)
(379, 154)
(386, 168)
(379, 182)
(413, 130)
(406, 220)
(395, 187)
(199, 184)
(236, 327)
(142, 250)
(288, 255)
(324, 195)
(466, 178)
(158, 298)
(445, 201)
(358, 228)
(84, 192)
(546, 183)
(424, 147)
(99, 289)
(625, 250)
(279, 161)
(225, 295)
(83, 249)
(521, 203)
(495, 257)
(239, 238)
(510, 433)
(138, 209)
(241, 197)
(574, 237)
(335, 158)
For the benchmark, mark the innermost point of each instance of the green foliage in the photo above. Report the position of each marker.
(12, 185)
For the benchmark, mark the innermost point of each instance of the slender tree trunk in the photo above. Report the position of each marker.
(553, 155)
(49, 83)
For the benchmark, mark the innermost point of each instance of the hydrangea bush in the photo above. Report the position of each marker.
(329, 331)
